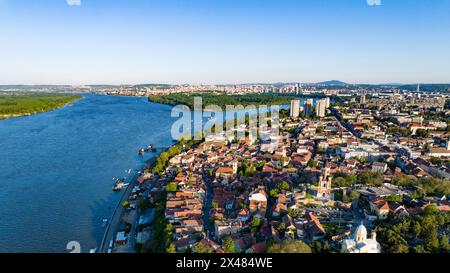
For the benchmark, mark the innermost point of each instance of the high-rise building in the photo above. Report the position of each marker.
(362, 100)
(321, 108)
(327, 102)
(308, 107)
(297, 88)
(295, 108)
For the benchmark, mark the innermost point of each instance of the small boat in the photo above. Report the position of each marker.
(149, 147)
(119, 185)
(104, 222)
(93, 250)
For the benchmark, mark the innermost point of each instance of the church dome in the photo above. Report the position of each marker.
(361, 233)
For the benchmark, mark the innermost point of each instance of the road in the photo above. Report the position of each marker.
(209, 228)
(111, 228)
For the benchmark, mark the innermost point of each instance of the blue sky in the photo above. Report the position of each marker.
(223, 41)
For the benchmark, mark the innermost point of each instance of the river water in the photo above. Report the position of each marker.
(57, 168)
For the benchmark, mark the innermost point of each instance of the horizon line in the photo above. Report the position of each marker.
(226, 84)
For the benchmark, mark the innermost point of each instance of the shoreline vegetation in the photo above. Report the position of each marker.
(222, 100)
(26, 104)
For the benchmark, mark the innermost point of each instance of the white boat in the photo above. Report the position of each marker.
(93, 250)
(105, 221)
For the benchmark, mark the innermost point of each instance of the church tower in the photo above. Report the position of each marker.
(361, 234)
(324, 187)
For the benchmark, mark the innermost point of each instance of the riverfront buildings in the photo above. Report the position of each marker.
(384, 163)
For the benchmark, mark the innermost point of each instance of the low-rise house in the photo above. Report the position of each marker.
(258, 202)
(223, 229)
(380, 207)
(379, 167)
(121, 238)
(313, 228)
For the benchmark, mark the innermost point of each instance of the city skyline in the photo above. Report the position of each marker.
(223, 42)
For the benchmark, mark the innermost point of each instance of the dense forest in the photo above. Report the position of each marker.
(222, 100)
(13, 105)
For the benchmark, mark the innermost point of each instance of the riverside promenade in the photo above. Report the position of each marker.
(113, 223)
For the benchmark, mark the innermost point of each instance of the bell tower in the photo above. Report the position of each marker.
(324, 187)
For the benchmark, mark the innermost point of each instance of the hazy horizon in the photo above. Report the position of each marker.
(220, 84)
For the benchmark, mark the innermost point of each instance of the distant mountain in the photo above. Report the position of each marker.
(333, 82)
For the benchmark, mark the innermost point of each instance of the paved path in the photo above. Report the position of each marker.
(114, 222)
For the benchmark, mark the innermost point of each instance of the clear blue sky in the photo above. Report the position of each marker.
(223, 41)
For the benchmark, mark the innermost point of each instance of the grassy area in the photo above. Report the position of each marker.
(15, 105)
(222, 100)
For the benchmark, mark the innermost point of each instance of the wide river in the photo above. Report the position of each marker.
(57, 168)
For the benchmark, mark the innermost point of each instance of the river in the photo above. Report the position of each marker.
(57, 169)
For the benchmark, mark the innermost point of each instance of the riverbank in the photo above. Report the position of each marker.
(223, 100)
(76, 151)
(115, 220)
(18, 105)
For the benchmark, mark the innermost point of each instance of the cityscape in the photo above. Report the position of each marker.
(340, 172)
(189, 131)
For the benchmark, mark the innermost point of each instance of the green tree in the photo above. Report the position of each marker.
(419, 249)
(422, 133)
(172, 187)
(444, 243)
(351, 196)
(256, 223)
(394, 198)
(416, 229)
(283, 186)
(401, 248)
(312, 163)
(171, 249)
(201, 248)
(430, 233)
(294, 213)
(431, 209)
(228, 245)
(274, 193)
(291, 246)
(371, 178)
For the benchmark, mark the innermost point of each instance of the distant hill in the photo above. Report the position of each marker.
(333, 82)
